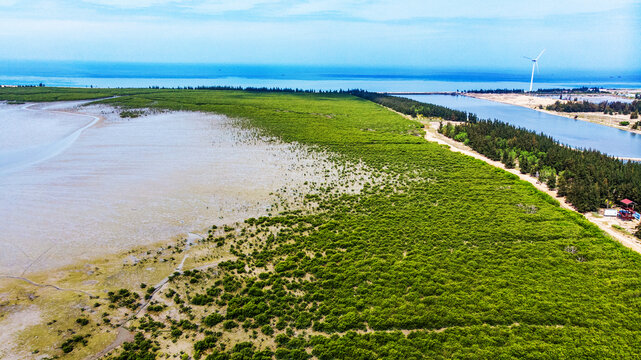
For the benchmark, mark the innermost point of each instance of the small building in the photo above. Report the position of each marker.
(628, 204)
(627, 210)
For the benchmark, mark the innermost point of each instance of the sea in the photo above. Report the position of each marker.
(389, 79)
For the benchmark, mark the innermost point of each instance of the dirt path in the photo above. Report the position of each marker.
(431, 134)
(43, 285)
(124, 335)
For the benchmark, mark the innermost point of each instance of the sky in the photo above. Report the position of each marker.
(577, 34)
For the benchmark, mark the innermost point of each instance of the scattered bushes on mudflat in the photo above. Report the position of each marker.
(434, 241)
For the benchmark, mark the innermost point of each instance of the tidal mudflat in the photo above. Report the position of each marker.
(126, 182)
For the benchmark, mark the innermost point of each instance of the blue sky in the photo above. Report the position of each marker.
(578, 34)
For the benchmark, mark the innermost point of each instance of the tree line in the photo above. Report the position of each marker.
(587, 178)
(607, 107)
(415, 108)
(496, 91)
(253, 89)
(579, 90)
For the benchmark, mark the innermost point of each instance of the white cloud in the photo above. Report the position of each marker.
(131, 4)
(222, 6)
(212, 41)
(312, 7)
(368, 10)
(200, 6)
(329, 31)
(391, 10)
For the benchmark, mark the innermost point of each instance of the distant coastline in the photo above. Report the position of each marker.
(390, 79)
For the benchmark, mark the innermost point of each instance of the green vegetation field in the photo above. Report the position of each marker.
(443, 256)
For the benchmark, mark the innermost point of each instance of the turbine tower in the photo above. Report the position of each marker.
(535, 63)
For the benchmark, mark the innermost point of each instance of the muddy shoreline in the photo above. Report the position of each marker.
(130, 202)
(124, 182)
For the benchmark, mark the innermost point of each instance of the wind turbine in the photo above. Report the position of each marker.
(535, 63)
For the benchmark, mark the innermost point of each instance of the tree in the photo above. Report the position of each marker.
(562, 185)
(508, 159)
(551, 181)
(524, 164)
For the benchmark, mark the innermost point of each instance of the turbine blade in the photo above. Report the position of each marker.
(540, 54)
(537, 67)
(528, 58)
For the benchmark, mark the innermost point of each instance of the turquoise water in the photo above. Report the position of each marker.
(98, 74)
(575, 133)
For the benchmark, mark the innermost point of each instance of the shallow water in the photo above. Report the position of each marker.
(30, 135)
(123, 183)
(575, 133)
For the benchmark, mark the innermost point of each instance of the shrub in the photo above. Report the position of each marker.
(213, 319)
(71, 343)
(267, 330)
(201, 299)
(229, 324)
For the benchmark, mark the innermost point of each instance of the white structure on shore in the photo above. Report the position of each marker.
(535, 63)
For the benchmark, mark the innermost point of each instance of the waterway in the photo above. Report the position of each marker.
(575, 133)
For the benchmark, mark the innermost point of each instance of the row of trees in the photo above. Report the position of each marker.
(579, 90)
(586, 177)
(252, 89)
(496, 91)
(31, 86)
(605, 107)
(415, 108)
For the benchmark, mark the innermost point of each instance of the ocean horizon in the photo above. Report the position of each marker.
(123, 74)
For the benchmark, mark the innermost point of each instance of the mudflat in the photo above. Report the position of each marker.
(126, 182)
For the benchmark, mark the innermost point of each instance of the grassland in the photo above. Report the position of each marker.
(443, 256)
(42, 94)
